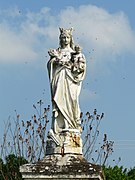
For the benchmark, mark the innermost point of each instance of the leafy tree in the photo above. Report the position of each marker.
(115, 173)
(10, 169)
(131, 173)
(2, 169)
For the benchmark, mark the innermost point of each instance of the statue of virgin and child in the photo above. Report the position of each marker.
(66, 68)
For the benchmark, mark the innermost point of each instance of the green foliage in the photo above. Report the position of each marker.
(116, 173)
(131, 173)
(10, 169)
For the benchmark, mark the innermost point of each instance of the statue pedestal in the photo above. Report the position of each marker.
(63, 160)
(64, 168)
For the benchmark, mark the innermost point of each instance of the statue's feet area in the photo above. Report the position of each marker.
(68, 141)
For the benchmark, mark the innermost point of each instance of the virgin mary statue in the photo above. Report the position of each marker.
(66, 69)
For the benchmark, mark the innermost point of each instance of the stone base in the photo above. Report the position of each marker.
(64, 168)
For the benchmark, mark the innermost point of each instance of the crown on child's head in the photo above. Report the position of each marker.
(66, 31)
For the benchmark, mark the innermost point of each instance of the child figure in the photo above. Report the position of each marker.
(78, 60)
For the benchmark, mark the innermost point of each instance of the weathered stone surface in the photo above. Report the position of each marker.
(58, 167)
(71, 143)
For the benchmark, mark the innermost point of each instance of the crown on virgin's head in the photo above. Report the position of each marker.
(66, 31)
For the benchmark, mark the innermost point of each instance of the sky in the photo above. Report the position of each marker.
(106, 31)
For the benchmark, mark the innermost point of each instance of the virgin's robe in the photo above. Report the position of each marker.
(65, 90)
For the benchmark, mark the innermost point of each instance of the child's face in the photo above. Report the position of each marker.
(78, 49)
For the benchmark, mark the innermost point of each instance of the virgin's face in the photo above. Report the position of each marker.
(65, 40)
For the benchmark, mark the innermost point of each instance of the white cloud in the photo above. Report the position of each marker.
(108, 34)
(14, 47)
(27, 36)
